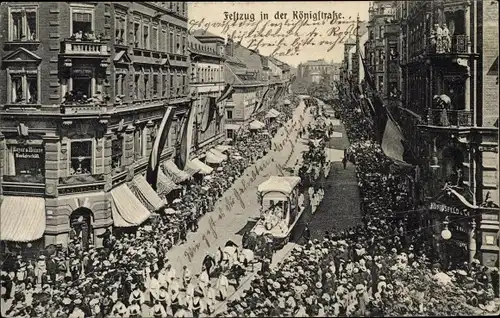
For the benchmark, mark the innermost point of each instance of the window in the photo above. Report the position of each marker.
(81, 157)
(230, 133)
(184, 48)
(23, 86)
(138, 144)
(121, 30)
(171, 41)
(137, 34)
(177, 84)
(146, 86)
(184, 84)
(120, 84)
(178, 49)
(172, 84)
(138, 93)
(116, 153)
(154, 39)
(25, 162)
(165, 86)
(145, 36)
(164, 40)
(380, 82)
(229, 114)
(23, 24)
(155, 86)
(82, 24)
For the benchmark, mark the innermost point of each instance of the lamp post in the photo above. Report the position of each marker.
(445, 235)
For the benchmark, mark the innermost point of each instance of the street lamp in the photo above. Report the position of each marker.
(445, 233)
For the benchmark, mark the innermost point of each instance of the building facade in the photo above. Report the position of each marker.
(83, 88)
(206, 84)
(447, 52)
(313, 71)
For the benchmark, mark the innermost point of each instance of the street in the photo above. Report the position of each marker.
(235, 212)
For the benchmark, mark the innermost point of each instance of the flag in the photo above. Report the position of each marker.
(158, 145)
(212, 108)
(367, 78)
(226, 93)
(258, 104)
(186, 141)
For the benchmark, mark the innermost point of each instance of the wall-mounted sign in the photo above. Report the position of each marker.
(27, 152)
(82, 72)
(444, 208)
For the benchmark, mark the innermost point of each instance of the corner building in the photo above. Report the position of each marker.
(83, 88)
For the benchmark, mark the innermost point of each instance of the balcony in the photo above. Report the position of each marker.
(83, 109)
(459, 46)
(449, 118)
(95, 48)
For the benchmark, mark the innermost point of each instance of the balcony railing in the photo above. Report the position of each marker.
(458, 44)
(21, 188)
(83, 109)
(76, 47)
(449, 118)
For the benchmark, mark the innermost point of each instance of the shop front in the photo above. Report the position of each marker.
(453, 220)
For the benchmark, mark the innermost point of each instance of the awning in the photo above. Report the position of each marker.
(272, 113)
(223, 148)
(22, 218)
(231, 127)
(255, 125)
(215, 156)
(218, 153)
(146, 194)
(174, 173)
(200, 165)
(126, 209)
(164, 184)
(191, 168)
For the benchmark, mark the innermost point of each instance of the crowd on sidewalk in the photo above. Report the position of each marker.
(130, 276)
(379, 268)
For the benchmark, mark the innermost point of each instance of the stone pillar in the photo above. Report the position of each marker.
(51, 165)
(107, 161)
(488, 229)
(472, 241)
(128, 151)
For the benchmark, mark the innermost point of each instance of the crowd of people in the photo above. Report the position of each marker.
(130, 276)
(380, 267)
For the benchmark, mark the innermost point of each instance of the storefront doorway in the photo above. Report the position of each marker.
(81, 227)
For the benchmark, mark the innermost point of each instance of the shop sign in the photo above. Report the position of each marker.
(444, 208)
(27, 152)
(82, 72)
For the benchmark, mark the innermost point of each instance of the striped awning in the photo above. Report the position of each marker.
(191, 169)
(126, 209)
(165, 185)
(174, 173)
(255, 125)
(200, 165)
(146, 194)
(22, 218)
(214, 156)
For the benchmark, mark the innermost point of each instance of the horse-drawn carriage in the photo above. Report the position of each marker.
(280, 212)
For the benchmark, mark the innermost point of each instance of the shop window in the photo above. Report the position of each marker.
(24, 86)
(81, 157)
(121, 30)
(24, 164)
(23, 24)
(82, 25)
(116, 153)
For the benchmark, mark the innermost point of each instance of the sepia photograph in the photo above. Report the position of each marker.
(249, 159)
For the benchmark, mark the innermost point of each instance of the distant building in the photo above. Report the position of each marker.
(313, 71)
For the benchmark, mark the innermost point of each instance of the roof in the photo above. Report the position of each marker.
(279, 184)
(204, 34)
(196, 46)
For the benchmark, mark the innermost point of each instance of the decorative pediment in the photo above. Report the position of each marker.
(21, 55)
(122, 58)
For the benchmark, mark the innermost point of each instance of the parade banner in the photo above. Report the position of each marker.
(226, 93)
(187, 137)
(258, 104)
(212, 109)
(158, 145)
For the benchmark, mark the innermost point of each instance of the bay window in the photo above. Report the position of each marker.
(81, 157)
(23, 82)
(116, 154)
(23, 24)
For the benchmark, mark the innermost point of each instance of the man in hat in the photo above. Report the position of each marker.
(137, 296)
(119, 309)
(158, 311)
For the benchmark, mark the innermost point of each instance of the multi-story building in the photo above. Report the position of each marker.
(206, 84)
(379, 43)
(83, 88)
(313, 71)
(447, 51)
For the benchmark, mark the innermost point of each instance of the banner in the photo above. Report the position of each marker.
(186, 141)
(212, 108)
(258, 104)
(226, 93)
(158, 145)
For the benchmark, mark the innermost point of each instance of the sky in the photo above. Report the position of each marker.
(212, 13)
